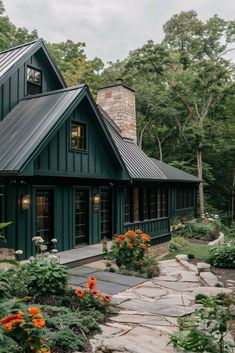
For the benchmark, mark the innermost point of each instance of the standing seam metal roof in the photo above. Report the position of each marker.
(9, 57)
(138, 164)
(26, 126)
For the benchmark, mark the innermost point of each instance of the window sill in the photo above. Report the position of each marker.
(78, 151)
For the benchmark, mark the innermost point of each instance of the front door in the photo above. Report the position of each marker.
(45, 215)
(81, 217)
(106, 214)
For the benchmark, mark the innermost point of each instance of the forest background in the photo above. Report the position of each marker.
(185, 96)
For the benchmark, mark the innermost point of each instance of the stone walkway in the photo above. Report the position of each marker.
(148, 312)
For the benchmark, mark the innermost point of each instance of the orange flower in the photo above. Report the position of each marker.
(138, 231)
(91, 285)
(117, 240)
(142, 246)
(105, 298)
(39, 322)
(145, 237)
(92, 279)
(130, 233)
(34, 311)
(133, 240)
(95, 292)
(121, 237)
(79, 292)
(129, 245)
(9, 318)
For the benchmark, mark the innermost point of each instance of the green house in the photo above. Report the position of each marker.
(70, 167)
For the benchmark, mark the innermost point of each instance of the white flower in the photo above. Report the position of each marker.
(19, 252)
(54, 240)
(38, 240)
(31, 258)
(43, 247)
(54, 251)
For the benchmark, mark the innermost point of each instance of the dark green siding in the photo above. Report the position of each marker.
(97, 161)
(13, 89)
(174, 212)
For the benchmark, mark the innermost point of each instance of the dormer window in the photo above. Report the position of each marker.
(78, 136)
(34, 81)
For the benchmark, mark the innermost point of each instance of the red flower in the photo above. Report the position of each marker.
(91, 285)
(95, 292)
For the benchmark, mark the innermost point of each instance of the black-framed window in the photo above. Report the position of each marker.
(136, 204)
(184, 198)
(164, 205)
(78, 136)
(45, 214)
(145, 203)
(34, 81)
(2, 203)
(127, 206)
(152, 204)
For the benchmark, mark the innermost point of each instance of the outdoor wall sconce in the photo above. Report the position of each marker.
(96, 200)
(25, 202)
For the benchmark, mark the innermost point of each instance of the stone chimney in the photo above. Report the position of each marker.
(118, 101)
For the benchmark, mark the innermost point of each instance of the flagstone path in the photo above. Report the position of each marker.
(148, 311)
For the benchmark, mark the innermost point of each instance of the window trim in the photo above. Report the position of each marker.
(81, 150)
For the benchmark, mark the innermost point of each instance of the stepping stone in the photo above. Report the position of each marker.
(82, 271)
(203, 266)
(167, 278)
(155, 308)
(118, 278)
(210, 291)
(209, 279)
(176, 286)
(77, 280)
(151, 292)
(173, 301)
(181, 257)
(135, 319)
(187, 276)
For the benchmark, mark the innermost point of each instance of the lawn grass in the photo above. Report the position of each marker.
(200, 251)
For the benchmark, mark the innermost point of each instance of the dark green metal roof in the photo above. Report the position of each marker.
(29, 123)
(175, 174)
(12, 58)
(138, 164)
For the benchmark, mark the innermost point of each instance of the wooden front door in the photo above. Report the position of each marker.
(45, 215)
(106, 214)
(81, 217)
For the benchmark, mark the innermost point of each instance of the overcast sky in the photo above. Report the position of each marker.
(110, 28)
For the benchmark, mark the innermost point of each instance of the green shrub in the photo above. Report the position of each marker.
(18, 281)
(205, 330)
(223, 256)
(46, 277)
(66, 338)
(177, 243)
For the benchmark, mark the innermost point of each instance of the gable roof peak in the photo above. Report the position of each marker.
(22, 45)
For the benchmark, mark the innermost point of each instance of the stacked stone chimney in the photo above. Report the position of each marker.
(118, 101)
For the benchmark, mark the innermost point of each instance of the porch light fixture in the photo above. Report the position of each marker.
(25, 202)
(96, 200)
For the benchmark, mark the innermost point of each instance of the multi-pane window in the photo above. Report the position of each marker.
(44, 215)
(105, 214)
(34, 81)
(81, 217)
(1, 204)
(146, 204)
(159, 203)
(153, 204)
(127, 206)
(184, 198)
(136, 206)
(164, 203)
(78, 136)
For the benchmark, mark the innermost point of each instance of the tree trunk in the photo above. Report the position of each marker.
(199, 169)
(160, 148)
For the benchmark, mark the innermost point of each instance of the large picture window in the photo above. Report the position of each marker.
(153, 204)
(78, 136)
(34, 81)
(184, 198)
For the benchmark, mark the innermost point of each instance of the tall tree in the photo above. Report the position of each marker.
(191, 62)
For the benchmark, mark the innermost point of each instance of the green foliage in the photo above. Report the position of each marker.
(46, 277)
(2, 226)
(223, 256)
(205, 330)
(4, 285)
(198, 251)
(18, 281)
(67, 339)
(177, 243)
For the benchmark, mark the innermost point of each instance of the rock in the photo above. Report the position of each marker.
(210, 291)
(187, 276)
(151, 292)
(189, 267)
(203, 267)
(176, 286)
(181, 257)
(209, 279)
(125, 318)
(167, 278)
(217, 241)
